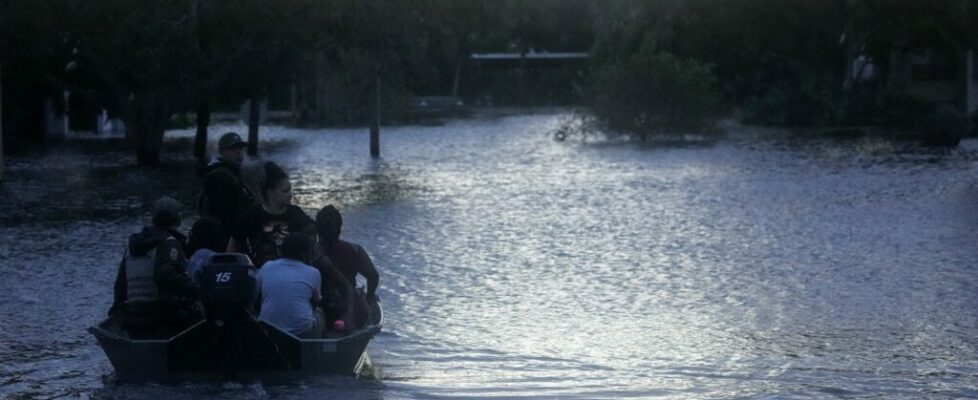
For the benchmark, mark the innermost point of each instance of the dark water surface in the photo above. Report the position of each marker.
(516, 266)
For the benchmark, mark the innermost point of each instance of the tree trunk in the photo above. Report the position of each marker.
(319, 92)
(294, 102)
(971, 97)
(203, 121)
(254, 111)
(147, 122)
(850, 60)
(458, 75)
(149, 143)
(148, 157)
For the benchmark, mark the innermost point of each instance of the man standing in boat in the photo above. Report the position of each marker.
(224, 194)
(152, 289)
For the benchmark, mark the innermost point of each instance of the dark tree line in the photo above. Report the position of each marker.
(784, 62)
(656, 65)
(148, 60)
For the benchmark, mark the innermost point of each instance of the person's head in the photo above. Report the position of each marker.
(230, 149)
(208, 233)
(296, 246)
(166, 213)
(329, 223)
(276, 189)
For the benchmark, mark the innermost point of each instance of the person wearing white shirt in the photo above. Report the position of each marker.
(290, 289)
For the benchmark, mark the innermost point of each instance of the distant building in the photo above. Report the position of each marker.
(526, 78)
(945, 79)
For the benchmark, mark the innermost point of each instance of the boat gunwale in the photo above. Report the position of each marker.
(372, 330)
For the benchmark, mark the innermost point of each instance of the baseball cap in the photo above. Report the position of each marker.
(229, 140)
(166, 205)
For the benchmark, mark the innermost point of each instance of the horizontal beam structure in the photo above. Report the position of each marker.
(528, 56)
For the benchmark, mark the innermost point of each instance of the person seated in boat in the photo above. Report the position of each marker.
(289, 290)
(262, 228)
(207, 237)
(349, 258)
(337, 292)
(152, 290)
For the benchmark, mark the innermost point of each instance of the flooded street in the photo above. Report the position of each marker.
(513, 265)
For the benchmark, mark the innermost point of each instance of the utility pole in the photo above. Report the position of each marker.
(375, 17)
(971, 101)
(1, 124)
(375, 121)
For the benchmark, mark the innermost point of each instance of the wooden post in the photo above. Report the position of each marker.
(254, 112)
(375, 123)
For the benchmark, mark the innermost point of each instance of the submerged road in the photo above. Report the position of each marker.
(516, 266)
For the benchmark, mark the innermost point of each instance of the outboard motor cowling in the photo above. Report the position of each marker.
(228, 280)
(229, 289)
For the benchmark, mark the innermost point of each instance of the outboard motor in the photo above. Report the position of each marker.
(229, 289)
(229, 284)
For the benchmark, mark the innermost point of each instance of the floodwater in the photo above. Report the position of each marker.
(516, 266)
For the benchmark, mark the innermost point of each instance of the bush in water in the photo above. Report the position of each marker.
(654, 92)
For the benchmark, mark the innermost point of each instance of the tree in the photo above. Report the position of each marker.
(33, 58)
(271, 37)
(141, 60)
(655, 92)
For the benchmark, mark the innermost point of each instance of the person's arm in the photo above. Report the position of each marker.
(326, 267)
(368, 271)
(317, 291)
(237, 235)
(169, 274)
(257, 306)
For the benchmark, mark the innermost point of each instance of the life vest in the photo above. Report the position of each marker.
(140, 272)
